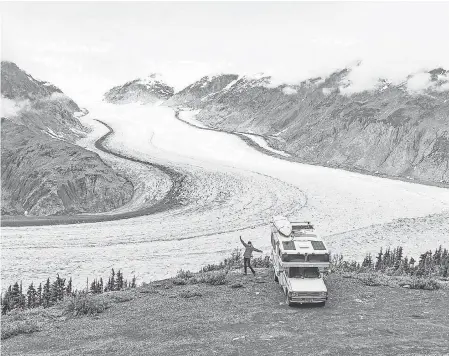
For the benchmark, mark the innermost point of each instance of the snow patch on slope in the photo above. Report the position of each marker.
(260, 141)
(189, 117)
(289, 91)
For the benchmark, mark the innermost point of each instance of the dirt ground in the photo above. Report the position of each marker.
(253, 320)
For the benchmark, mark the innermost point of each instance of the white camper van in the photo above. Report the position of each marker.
(299, 259)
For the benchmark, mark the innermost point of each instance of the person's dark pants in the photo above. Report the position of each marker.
(246, 263)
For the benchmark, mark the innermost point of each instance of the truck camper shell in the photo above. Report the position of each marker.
(302, 248)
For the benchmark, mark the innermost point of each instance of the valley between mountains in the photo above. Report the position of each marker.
(228, 189)
(163, 194)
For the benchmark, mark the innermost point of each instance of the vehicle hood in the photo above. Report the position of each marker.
(307, 285)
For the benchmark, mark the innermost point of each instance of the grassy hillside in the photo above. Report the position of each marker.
(247, 316)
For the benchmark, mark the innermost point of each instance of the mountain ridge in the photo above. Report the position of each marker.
(43, 171)
(391, 129)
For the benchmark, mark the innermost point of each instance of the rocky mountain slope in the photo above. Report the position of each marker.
(395, 130)
(149, 90)
(43, 171)
(37, 104)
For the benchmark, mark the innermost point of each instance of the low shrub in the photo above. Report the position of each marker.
(179, 281)
(235, 260)
(261, 262)
(17, 327)
(181, 274)
(86, 304)
(214, 278)
(237, 285)
(370, 280)
(189, 294)
(424, 283)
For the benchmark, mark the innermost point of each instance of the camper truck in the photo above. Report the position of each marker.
(300, 257)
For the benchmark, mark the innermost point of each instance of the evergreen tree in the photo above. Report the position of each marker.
(93, 288)
(22, 298)
(406, 265)
(445, 270)
(39, 295)
(119, 282)
(16, 297)
(386, 261)
(133, 282)
(7, 301)
(31, 296)
(46, 294)
(4, 303)
(54, 292)
(367, 262)
(60, 288)
(68, 289)
(112, 280)
(398, 257)
(437, 256)
(379, 260)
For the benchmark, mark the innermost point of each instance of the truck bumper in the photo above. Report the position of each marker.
(307, 300)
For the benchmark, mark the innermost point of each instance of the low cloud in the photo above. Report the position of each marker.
(419, 82)
(57, 96)
(327, 91)
(289, 91)
(11, 108)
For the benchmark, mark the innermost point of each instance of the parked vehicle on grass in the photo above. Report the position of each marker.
(299, 261)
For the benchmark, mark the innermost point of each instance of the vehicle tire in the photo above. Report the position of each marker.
(288, 301)
(322, 304)
(276, 279)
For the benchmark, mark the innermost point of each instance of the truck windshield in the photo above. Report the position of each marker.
(303, 272)
(318, 258)
(293, 258)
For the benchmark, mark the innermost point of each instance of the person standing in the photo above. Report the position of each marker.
(249, 248)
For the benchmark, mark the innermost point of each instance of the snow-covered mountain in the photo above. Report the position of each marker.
(149, 90)
(394, 129)
(43, 171)
(203, 90)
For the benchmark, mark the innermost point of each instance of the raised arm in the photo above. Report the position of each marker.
(243, 242)
(257, 250)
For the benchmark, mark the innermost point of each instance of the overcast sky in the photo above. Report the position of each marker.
(85, 48)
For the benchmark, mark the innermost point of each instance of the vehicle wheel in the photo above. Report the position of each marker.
(322, 304)
(276, 279)
(288, 301)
